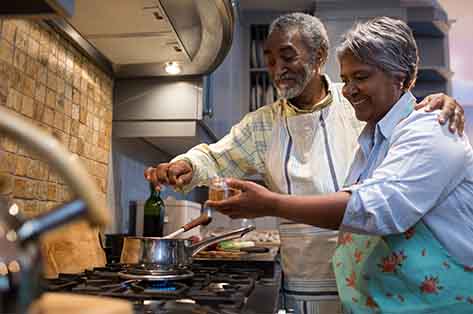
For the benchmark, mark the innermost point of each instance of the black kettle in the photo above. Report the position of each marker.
(20, 259)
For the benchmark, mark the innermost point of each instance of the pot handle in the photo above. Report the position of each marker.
(234, 234)
(66, 163)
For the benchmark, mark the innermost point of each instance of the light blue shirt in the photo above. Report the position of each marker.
(409, 167)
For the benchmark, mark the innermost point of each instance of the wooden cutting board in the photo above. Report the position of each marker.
(68, 303)
(269, 256)
(71, 249)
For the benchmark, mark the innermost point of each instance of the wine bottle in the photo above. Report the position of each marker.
(153, 219)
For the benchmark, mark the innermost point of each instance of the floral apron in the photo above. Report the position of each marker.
(403, 273)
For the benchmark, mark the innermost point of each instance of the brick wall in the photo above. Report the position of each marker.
(45, 79)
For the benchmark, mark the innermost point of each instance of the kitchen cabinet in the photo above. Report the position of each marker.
(430, 26)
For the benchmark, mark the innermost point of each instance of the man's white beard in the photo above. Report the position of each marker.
(301, 83)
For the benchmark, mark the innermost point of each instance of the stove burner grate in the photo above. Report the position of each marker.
(212, 287)
(139, 274)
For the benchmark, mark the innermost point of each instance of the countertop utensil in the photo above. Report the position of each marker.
(203, 219)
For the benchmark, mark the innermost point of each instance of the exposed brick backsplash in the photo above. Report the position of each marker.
(51, 84)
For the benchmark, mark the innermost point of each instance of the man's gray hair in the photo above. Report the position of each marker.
(386, 43)
(312, 30)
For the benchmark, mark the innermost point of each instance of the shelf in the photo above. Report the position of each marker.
(429, 21)
(258, 35)
(434, 73)
(424, 88)
(261, 91)
(429, 28)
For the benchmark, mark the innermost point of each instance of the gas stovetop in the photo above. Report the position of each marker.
(215, 289)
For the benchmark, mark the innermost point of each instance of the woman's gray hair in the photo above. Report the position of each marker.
(386, 43)
(312, 30)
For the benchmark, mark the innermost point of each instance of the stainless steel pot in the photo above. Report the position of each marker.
(160, 254)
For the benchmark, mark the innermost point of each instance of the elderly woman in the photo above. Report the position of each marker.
(406, 214)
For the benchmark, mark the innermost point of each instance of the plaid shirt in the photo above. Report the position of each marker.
(241, 153)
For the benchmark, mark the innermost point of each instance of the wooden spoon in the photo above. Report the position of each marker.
(203, 219)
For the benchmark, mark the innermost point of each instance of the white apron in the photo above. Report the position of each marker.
(310, 154)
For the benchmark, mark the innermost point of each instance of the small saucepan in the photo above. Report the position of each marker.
(168, 254)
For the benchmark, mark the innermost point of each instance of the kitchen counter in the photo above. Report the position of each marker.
(269, 256)
(265, 261)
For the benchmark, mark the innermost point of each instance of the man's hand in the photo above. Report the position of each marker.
(176, 174)
(253, 201)
(451, 111)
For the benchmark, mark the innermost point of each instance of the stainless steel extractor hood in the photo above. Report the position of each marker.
(136, 38)
(166, 112)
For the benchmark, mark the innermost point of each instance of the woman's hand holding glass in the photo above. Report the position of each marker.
(253, 201)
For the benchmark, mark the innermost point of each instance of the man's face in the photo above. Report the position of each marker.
(371, 91)
(288, 62)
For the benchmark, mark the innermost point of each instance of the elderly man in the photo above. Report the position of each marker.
(302, 144)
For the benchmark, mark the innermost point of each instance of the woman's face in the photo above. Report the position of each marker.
(371, 91)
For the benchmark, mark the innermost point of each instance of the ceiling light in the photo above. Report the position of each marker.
(172, 68)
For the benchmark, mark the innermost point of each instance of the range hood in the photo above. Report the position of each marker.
(132, 40)
(135, 38)
(166, 112)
